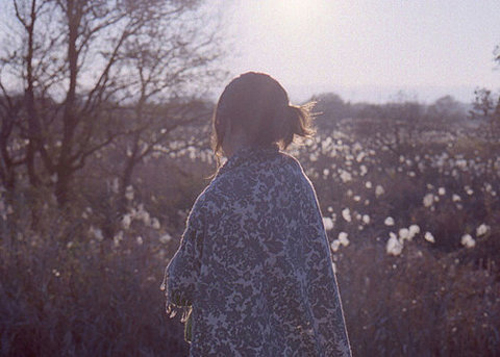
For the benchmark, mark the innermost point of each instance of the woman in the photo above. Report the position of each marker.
(254, 262)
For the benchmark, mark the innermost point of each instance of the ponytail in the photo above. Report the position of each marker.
(297, 122)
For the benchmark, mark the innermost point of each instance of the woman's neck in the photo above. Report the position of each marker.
(233, 144)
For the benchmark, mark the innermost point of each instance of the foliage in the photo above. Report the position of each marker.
(85, 296)
(420, 303)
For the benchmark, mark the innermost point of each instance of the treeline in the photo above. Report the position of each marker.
(120, 155)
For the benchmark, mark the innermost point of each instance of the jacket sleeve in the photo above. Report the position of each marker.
(181, 274)
(321, 288)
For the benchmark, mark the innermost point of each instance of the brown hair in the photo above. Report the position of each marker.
(257, 104)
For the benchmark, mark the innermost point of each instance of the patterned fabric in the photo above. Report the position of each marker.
(255, 265)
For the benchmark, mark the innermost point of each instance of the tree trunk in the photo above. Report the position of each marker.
(64, 168)
(29, 96)
(62, 186)
(126, 176)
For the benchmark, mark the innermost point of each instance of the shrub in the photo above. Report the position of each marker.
(84, 297)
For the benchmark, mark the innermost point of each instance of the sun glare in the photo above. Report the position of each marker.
(288, 23)
(292, 11)
(292, 16)
(289, 35)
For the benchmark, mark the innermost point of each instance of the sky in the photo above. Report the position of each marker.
(367, 50)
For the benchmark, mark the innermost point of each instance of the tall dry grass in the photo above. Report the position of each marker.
(83, 297)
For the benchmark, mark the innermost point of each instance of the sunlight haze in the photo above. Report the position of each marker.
(368, 50)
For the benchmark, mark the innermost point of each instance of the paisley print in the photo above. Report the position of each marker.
(254, 264)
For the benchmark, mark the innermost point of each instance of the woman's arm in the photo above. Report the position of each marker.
(322, 288)
(181, 274)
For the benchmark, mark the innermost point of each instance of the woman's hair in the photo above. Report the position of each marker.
(257, 105)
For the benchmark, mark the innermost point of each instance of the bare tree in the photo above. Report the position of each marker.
(158, 130)
(162, 90)
(486, 109)
(81, 59)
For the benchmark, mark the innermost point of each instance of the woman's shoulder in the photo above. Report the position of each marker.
(290, 160)
(293, 167)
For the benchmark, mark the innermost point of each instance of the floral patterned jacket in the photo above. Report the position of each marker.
(254, 264)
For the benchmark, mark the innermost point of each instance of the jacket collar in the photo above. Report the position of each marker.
(248, 154)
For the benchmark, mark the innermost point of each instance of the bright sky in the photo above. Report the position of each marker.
(368, 49)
